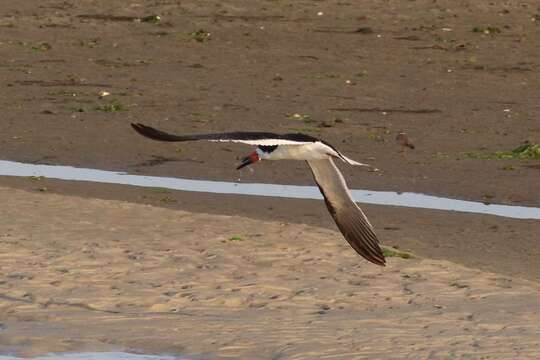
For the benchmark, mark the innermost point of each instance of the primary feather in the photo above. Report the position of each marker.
(349, 218)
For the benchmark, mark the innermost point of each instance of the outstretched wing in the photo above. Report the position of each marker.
(250, 138)
(349, 218)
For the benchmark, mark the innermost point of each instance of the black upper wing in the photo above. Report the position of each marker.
(252, 138)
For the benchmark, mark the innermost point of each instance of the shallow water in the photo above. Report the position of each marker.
(406, 199)
(95, 356)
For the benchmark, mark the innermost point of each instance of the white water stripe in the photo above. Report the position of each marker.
(407, 199)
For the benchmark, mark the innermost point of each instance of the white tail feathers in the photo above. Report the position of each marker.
(356, 163)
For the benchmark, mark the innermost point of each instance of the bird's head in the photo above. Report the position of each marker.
(262, 152)
(250, 159)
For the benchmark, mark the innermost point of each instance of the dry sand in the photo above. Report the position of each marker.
(83, 274)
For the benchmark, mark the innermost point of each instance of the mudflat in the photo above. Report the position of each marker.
(459, 78)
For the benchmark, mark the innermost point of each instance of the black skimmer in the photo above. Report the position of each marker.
(349, 218)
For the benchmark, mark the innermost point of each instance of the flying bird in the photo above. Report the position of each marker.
(319, 155)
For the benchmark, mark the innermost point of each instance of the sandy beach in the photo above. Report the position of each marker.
(81, 274)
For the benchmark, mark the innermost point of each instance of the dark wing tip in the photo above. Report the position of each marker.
(137, 127)
(357, 231)
(376, 257)
(368, 249)
(381, 260)
(144, 130)
(154, 134)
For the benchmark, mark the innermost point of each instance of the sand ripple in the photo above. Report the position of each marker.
(79, 274)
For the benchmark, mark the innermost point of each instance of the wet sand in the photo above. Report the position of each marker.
(86, 274)
(490, 243)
